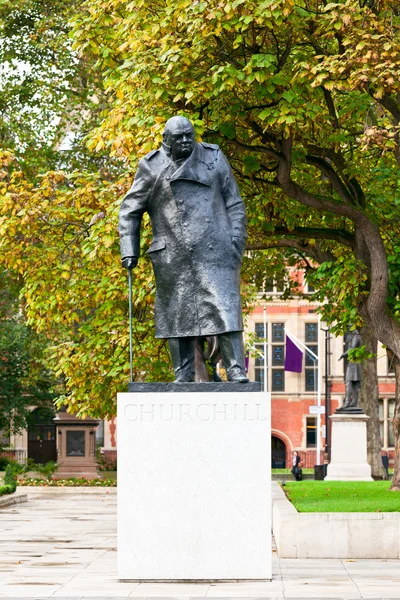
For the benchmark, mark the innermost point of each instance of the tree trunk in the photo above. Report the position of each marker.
(369, 402)
(395, 487)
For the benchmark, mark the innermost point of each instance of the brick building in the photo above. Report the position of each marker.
(294, 395)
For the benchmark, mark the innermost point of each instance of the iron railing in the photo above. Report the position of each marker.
(19, 456)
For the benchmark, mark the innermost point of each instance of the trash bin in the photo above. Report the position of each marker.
(319, 472)
(385, 462)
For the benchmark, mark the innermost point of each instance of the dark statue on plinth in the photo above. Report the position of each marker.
(353, 375)
(199, 234)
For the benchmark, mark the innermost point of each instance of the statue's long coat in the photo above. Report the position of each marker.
(353, 370)
(195, 211)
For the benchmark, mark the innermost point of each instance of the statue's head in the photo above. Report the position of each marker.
(179, 137)
(352, 330)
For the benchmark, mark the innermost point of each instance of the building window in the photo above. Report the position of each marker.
(311, 432)
(260, 330)
(278, 332)
(310, 363)
(278, 357)
(268, 285)
(386, 413)
(4, 439)
(381, 422)
(278, 380)
(391, 404)
(390, 365)
(311, 332)
(310, 380)
(259, 361)
(100, 434)
(276, 354)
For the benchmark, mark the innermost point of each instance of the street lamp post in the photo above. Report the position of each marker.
(327, 393)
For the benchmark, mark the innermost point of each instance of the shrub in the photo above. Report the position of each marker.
(48, 469)
(10, 480)
(106, 462)
(4, 462)
(18, 469)
(6, 489)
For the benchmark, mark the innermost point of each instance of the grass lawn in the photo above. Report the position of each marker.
(342, 496)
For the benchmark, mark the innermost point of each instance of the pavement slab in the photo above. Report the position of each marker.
(63, 545)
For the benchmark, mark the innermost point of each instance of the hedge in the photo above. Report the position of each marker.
(7, 489)
(10, 482)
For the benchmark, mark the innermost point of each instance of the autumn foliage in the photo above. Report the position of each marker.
(304, 98)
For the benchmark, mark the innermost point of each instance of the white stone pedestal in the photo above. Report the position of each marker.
(194, 486)
(349, 449)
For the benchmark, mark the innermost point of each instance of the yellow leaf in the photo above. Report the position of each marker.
(108, 240)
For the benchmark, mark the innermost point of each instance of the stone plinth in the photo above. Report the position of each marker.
(76, 446)
(194, 486)
(349, 448)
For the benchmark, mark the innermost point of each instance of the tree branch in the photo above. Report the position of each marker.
(314, 252)
(331, 107)
(283, 58)
(257, 148)
(338, 160)
(268, 105)
(390, 104)
(331, 174)
(340, 235)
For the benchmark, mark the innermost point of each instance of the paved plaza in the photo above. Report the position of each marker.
(62, 544)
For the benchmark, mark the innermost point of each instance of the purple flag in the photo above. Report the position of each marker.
(293, 356)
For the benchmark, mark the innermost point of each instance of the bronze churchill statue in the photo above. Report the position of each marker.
(199, 233)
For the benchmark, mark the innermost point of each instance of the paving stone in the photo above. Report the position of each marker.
(64, 546)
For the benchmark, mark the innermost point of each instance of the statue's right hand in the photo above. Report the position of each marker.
(129, 262)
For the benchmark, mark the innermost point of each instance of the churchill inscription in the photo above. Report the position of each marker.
(192, 412)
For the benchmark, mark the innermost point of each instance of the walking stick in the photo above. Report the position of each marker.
(130, 325)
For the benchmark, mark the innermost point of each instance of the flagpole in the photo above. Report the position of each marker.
(316, 358)
(319, 392)
(319, 395)
(265, 352)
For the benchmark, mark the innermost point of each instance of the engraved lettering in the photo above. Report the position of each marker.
(224, 412)
(201, 414)
(192, 412)
(147, 412)
(259, 417)
(220, 411)
(184, 411)
(131, 413)
(166, 415)
(234, 412)
(246, 416)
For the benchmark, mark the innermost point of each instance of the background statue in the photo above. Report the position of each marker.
(353, 371)
(199, 233)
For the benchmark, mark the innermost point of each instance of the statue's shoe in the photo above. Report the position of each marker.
(236, 375)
